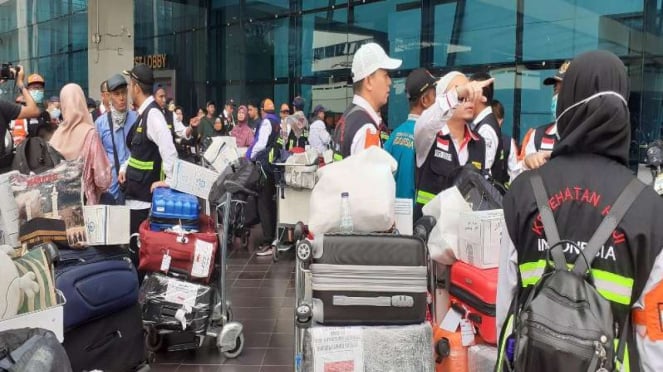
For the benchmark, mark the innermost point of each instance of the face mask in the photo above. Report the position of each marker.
(553, 105)
(37, 95)
(599, 94)
(55, 113)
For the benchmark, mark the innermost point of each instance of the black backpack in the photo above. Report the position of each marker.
(477, 190)
(34, 154)
(565, 324)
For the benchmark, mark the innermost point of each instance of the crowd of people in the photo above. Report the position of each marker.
(454, 122)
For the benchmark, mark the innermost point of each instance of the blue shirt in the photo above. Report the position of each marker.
(120, 135)
(401, 146)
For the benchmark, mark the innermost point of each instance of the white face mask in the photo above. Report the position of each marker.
(599, 94)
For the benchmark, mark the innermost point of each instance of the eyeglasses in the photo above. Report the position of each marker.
(285, 111)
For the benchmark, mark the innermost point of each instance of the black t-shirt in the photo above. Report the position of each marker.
(8, 112)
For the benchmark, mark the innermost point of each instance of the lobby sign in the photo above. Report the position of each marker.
(154, 61)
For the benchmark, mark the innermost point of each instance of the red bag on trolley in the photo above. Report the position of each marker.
(163, 251)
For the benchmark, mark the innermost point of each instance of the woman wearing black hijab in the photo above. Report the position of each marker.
(586, 173)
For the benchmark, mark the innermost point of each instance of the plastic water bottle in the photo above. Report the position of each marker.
(346, 226)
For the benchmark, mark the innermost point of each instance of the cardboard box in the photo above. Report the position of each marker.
(480, 238)
(193, 179)
(50, 319)
(107, 225)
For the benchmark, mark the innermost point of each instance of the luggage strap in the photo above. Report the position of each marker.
(17, 354)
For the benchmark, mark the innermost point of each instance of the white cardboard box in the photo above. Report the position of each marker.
(106, 224)
(480, 238)
(50, 319)
(193, 179)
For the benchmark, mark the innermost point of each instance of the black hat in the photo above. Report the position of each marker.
(116, 81)
(319, 108)
(141, 73)
(418, 82)
(559, 76)
(231, 102)
(298, 103)
(91, 103)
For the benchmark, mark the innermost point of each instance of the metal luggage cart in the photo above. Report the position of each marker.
(292, 212)
(228, 333)
(303, 289)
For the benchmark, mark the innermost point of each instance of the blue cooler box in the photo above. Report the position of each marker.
(170, 208)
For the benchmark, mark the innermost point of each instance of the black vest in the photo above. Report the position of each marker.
(441, 166)
(274, 143)
(293, 141)
(499, 170)
(351, 121)
(145, 161)
(542, 140)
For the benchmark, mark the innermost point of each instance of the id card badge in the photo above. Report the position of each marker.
(165, 262)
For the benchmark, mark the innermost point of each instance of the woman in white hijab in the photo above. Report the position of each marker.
(77, 139)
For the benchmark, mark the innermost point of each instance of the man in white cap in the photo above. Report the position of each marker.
(358, 127)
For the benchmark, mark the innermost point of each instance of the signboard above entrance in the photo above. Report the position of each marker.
(154, 61)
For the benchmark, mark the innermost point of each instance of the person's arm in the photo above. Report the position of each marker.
(507, 280)
(265, 130)
(181, 130)
(30, 110)
(648, 319)
(492, 141)
(158, 132)
(513, 165)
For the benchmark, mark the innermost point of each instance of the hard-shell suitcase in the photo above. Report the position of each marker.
(96, 282)
(369, 279)
(473, 293)
(170, 208)
(191, 255)
(115, 343)
(161, 297)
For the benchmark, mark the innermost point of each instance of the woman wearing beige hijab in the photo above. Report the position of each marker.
(76, 138)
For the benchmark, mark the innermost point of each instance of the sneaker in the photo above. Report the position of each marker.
(265, 250)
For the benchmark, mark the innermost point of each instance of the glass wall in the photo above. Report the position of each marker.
(48, 38)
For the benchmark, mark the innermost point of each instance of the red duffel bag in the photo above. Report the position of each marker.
(192, 255)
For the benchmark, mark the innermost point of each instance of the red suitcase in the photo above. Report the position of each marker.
(193, 257)
(473, 292)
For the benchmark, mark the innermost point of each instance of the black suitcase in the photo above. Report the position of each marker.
(114, 343)
(369, 279)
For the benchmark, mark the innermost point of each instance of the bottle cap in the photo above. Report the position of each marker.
(345, 194)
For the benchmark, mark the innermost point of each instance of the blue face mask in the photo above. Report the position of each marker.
(37, 95)
(55, 113)
(553, 106)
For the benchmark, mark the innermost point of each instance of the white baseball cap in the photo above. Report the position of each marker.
(369, 58)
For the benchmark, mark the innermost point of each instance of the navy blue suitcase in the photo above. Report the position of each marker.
(170, 208)
(96, 282)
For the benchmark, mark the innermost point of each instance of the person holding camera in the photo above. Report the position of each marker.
(12, 111)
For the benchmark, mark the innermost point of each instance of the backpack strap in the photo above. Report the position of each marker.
(548, 219)
(608, 225)
(112, 135)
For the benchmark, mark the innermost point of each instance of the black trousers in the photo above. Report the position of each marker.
(136, 217)
(267, 210)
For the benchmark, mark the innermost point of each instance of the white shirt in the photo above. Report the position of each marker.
(515, 167)
(359, 140)
(431, 121)
(530, 145)
(265, 131)
(318, 137)
(489, 136)
(180, 128)
(157, 132)
(102, 108)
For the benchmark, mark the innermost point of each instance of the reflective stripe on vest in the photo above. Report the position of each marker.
(613, 287)
(338, 156)
(141, 165)
(424, 197)
(626, 367)
(505, 336)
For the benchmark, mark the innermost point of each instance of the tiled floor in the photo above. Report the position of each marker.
(263, 301)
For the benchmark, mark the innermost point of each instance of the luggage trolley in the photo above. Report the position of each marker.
(292, 210)
(218, 322)
(408, 308)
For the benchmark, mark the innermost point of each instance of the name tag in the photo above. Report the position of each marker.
(442, 155)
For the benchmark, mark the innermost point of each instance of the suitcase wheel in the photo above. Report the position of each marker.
(153, 340)
(239, 346)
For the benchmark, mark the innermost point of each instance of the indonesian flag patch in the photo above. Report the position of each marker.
(443, 144)
(547, 143)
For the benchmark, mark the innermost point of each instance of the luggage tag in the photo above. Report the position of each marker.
(451, 320)
(165, 262)
(467, 330)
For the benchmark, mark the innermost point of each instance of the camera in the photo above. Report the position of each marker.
(6, 73)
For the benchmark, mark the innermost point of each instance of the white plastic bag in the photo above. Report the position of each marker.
(368, 178)
(300, 170)
(446, 207)
(221, 152)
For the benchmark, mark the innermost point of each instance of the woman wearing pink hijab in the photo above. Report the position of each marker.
(76, 138)
(242, 132)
